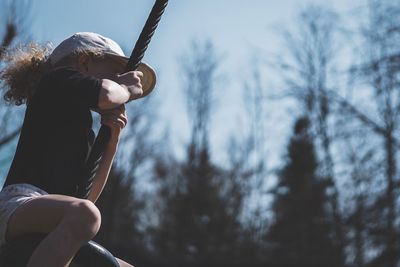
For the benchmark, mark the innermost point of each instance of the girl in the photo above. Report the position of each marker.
(60, 88)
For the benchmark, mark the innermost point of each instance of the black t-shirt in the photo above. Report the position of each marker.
(57, 134)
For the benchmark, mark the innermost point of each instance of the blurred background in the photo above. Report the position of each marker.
(271, 138)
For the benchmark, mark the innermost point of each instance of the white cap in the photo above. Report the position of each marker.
(93, 42)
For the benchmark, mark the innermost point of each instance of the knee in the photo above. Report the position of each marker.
(83, 219)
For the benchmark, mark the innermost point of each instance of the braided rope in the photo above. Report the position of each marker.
(97, 151)
(146, 35)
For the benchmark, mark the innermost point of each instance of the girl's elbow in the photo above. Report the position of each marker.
(111, 95)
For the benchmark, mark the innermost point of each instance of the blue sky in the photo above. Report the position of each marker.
(239, 29)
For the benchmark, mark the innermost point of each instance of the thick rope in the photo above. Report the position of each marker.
(97, 151)
(146, 35)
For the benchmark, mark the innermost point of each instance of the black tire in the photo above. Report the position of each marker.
(18, 252)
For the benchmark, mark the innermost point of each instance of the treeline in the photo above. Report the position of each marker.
(334, 200)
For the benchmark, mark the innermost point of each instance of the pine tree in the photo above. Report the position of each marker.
(199, 223)
(196, 226)
(120, 210)
(301, 234)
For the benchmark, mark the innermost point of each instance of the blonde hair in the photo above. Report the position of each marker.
(24, 66)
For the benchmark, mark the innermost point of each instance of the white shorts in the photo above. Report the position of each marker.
(11, 197)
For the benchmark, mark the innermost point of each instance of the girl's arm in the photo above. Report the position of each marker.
(103, 171)
(123, 88)
(116, 119)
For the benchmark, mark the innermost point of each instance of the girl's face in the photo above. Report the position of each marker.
(102, 68)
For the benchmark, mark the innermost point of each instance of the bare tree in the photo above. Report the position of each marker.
(200, 222)
(15, 18)
(360, 166)
(247, 158)
(379, 72)
(200, 70)
(309, 74)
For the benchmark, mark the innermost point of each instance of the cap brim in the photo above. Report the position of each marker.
(149, 78)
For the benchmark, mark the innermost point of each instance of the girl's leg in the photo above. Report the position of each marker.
(69, 221)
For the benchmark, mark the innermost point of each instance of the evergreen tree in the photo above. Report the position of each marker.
(196, 227)
(301, 234)
(199, 220)
(120, 210)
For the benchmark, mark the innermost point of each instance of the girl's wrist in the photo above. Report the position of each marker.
(112, 144)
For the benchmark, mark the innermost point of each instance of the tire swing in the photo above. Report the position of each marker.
(18, 252)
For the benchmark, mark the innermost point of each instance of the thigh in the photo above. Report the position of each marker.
(39, 215)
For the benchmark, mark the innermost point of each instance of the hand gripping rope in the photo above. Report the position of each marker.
(103, 136)
(18, 252)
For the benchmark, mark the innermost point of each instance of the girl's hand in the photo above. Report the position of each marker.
(131, 80)
(116, 119)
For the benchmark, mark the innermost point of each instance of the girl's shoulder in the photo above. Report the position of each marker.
(53, 79)
(68, 86)
(60, 73)
(57, 77)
